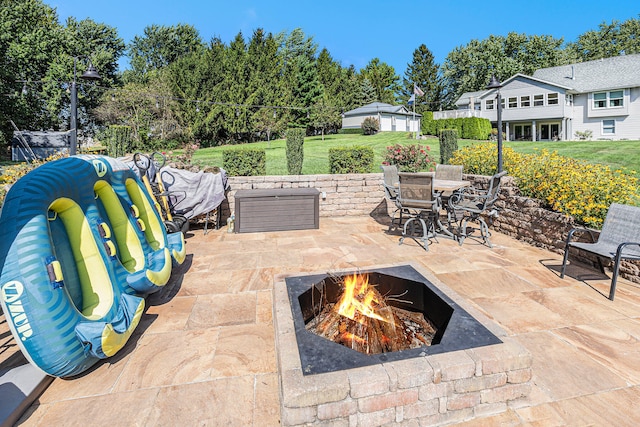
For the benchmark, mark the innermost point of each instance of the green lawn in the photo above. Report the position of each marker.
(613, 153)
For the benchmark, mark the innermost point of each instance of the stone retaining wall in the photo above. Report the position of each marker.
(362, 194)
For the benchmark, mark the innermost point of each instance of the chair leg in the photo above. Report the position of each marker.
(614, 278)
(484, 232)
(564, 261)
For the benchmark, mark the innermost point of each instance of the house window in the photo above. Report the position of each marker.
(489, 104)
(525, 101)
(513, 102)
(608, 127)
(615, 98)
(538, 100)
(569, 99)
(552, 99)
(600, 100)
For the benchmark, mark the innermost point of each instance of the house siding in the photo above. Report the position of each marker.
(627, 126)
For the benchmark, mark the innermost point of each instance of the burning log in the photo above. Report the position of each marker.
(363, 321)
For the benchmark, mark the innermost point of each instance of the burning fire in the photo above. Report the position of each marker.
(363, 320)
(360, 300)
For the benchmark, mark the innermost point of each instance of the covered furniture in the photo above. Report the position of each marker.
(618, 240)
(419, 201)
(474, 204)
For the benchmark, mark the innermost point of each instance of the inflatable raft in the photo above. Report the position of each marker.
(79, 248)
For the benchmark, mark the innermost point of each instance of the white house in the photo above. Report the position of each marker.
(392, 118)
(601, 96)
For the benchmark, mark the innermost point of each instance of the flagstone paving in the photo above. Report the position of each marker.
(204, 351)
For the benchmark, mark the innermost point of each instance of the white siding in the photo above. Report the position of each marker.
(626, 127)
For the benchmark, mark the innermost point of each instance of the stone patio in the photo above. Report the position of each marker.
(204, 353)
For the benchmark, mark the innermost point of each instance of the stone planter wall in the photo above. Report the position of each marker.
(362, 194)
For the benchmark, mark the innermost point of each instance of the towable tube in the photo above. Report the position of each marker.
(59, 287)
(144, 265)
(133, 193)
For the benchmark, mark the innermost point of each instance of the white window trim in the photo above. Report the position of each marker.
(603, 127)
(607, 100)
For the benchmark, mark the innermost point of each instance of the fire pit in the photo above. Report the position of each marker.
(465, 371)
(455, 329)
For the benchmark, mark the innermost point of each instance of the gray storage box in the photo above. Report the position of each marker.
(276, 209)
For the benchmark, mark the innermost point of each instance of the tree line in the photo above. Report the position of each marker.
(180, 88)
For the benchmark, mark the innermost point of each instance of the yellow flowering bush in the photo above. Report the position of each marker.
(11, 174)
(573, 187)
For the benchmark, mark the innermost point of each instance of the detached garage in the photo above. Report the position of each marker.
(392, 118)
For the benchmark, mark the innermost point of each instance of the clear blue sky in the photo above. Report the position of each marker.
(356, 31)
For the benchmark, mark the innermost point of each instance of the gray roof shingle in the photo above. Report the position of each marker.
(603, 74)
(379, 107)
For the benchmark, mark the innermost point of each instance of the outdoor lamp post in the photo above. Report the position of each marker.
(495, 84)
(90, 74)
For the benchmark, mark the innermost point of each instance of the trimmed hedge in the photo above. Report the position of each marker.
(119, 141)
(295, 150)
(244, 162)
(448, 144)
(357, 159)
(467, 127)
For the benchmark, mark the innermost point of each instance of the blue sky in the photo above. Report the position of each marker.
(357, 31)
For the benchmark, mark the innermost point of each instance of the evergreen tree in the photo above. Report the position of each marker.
(160, 46)
(367, 93)
(301, 76)
(384, 80)
(424, 73)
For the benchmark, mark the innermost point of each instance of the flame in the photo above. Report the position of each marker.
(359, 298)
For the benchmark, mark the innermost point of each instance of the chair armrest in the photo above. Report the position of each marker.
(579, 230)
(621, 247)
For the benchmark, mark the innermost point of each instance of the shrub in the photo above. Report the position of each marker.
(587, 134)
(244, 162)
(409, 158)
(356, 159)
(119, 140)
(448, 144)
(295, 151)
(370, 126)
(573, 187)
(467, 127)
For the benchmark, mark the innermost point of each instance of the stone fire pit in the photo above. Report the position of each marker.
(435, 385)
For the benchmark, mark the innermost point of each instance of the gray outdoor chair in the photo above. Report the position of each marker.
(417, 199)
(390, 182)
(473, 204)
(618, 240)
(449, 172)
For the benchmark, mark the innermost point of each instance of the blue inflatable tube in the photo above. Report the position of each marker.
(66, 296)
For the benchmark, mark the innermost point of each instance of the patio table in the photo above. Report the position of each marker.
(447, 186)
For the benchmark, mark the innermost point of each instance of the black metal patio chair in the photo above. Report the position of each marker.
(474, 204)
(390, 182)
(418, 200)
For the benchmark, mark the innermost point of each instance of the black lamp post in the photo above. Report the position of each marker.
(90, 74)
(495, 84)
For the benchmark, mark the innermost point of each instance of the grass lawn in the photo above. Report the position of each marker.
(316, 158)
